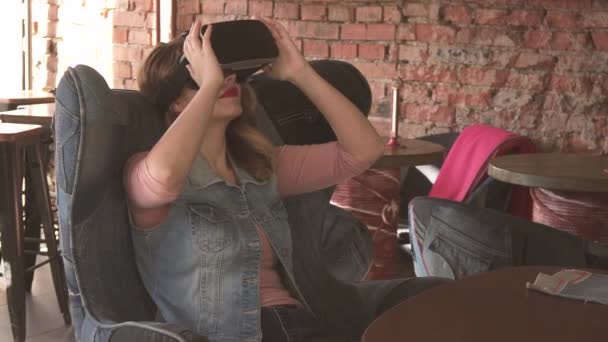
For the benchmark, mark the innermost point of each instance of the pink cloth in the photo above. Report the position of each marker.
(299, 169)
(467, 163)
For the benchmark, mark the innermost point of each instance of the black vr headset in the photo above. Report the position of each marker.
(242, 47)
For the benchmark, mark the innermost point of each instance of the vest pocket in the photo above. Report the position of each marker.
(210, 227)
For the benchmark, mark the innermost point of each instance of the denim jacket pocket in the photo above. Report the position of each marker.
(210, 227)
(278, 210)
(460, 254)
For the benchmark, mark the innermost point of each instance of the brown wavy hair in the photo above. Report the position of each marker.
(250, 149)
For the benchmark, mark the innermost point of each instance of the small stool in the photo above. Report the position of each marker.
(19, 142)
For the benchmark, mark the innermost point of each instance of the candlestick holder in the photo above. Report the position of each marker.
(393, 142)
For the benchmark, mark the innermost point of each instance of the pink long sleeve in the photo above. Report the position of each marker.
(149, 199)
(308, 168)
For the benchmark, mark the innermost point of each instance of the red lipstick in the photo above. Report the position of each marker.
(231, 92)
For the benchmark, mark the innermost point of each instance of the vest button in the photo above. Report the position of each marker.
(284, 252)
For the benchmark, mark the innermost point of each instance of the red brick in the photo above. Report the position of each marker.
(568, 41)
(131, 84)
(496, 36)
(366, 32)
(392, 14)
(286, 11)
(406, 32)
(236, 7)
(305, 29)
(189, 7)
(121, 69)
(529, 81)
(369, 14)
(140, 37)
(378, 89)
(142, 5)
(537, 39)
(343, 51)
(595, 19)
(499, 3)
(483, 76)
(315, 48)
(415, 10)
(428, 73)
(129, 54)
(381, 32)
(313, 12)
(434, 33)
(184, 22)
(132, 19)
(562, 4)
(456, 14)
(393, 52)
(465, 35)
(421, 112)
(213, 7)
(415, 93)
(464, 97)
(485, 16)
(504, 17)
(53, 12)
(575, 85)
(120, 35)
(563, 20)
(340, 13)
(600, 40)
(260, 8)
(372, 51)
(150, 20)
(534, 61)
(377, 70)
(413, 53)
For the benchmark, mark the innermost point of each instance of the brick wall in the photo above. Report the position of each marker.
(111, 36)
(537, 67)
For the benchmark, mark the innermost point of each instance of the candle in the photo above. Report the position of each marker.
(395, 118)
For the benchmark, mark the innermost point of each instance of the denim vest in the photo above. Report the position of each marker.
(202, 264)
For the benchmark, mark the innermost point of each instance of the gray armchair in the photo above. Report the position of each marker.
(96, 129)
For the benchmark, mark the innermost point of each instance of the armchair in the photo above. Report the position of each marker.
(96, 129)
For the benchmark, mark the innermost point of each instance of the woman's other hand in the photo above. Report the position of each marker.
(204, 66)
(290, 62)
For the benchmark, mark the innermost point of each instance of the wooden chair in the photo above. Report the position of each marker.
(20, 154)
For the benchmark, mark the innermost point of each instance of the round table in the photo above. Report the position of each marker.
(493, 306)
(556, 171)
(374, 198)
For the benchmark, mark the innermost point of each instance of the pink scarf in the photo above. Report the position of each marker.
(467, 163)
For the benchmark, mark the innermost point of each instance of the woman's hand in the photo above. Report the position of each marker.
(204, 67)
(290, 62)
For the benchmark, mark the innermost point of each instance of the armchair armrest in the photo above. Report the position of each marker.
(153, 332)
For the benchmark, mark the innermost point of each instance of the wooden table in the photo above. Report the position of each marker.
(38, 114)
(556, 171)
(374, 198)
(410, 152)
(11, 101)
(493, 306)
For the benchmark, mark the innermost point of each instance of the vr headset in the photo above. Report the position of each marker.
(242, 47)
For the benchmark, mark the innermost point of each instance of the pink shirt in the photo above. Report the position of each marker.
(300, 169)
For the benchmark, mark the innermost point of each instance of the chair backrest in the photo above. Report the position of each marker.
(296, 119)
(96, 129)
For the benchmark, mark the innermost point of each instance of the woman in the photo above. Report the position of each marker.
(210, 230)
